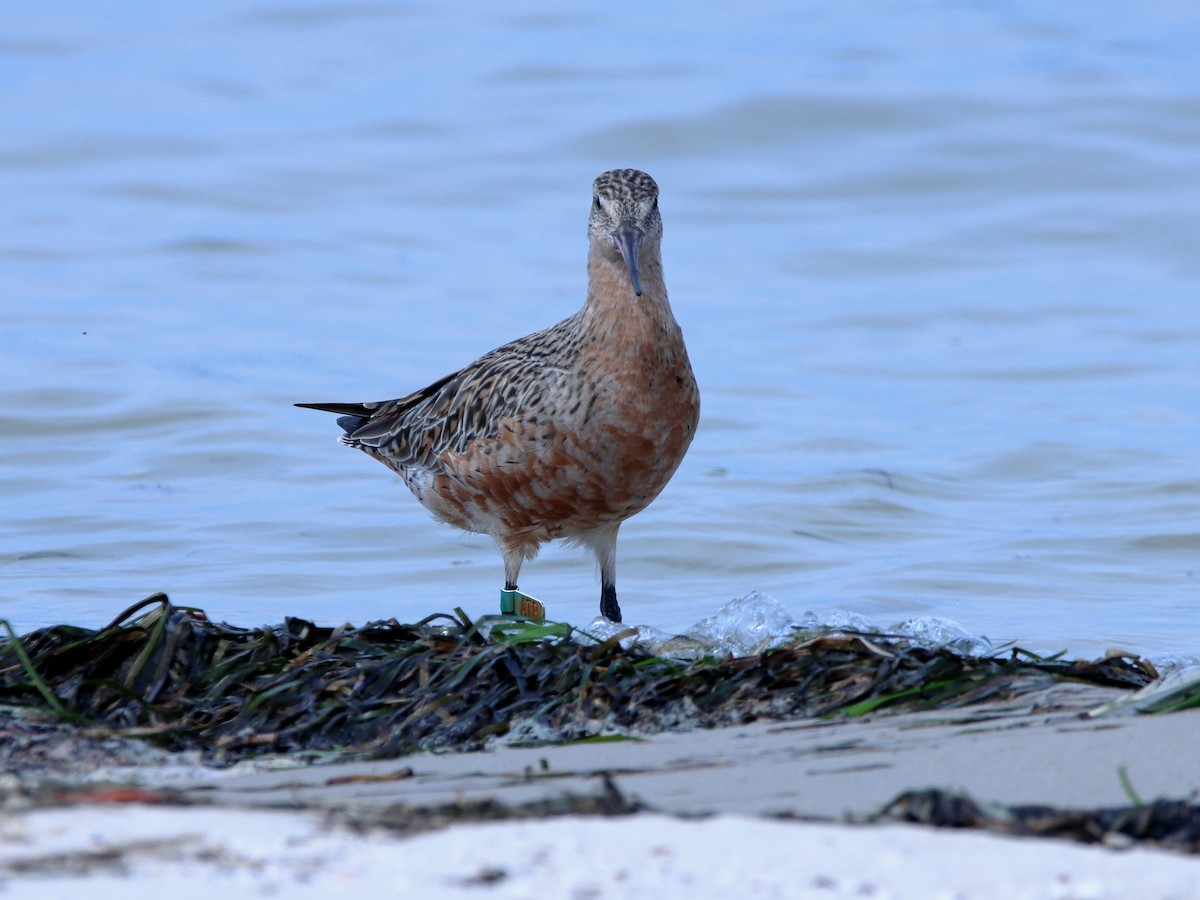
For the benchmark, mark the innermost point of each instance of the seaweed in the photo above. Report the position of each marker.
(171, 676)
(1171, 824)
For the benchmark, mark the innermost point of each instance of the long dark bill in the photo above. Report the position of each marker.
(629, 241)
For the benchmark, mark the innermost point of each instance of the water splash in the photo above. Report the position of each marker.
(758, 622)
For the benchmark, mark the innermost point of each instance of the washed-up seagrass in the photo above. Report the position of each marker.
(1172, 824)
(170, 674)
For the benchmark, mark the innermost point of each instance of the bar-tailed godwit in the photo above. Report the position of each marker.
(568, 431)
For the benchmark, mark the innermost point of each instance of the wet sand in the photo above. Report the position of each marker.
(711, 825)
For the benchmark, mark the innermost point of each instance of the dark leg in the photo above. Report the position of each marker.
(608, 601)
(603, 542)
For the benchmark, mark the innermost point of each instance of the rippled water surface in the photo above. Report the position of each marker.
(938, 266)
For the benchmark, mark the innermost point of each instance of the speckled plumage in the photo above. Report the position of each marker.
(568, 431)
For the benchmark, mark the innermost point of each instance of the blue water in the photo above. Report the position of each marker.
(937, 265)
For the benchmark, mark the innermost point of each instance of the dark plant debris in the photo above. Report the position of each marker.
(609, 801)
(169, 675)
(1171, 824)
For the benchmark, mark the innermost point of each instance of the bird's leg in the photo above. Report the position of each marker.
(608, 601)
(508, 596)
(603, 542)
(512, 568)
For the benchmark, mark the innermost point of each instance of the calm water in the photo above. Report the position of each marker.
(938, 266)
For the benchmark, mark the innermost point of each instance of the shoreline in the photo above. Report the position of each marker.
(655, 778)
(631, 817)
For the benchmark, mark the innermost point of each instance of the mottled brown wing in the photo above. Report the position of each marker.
(460, 409)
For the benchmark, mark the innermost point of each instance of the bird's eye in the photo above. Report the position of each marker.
(596, 201)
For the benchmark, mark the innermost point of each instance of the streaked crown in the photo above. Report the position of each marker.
(625, 195)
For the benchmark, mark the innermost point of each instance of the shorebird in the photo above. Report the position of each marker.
(568, 431)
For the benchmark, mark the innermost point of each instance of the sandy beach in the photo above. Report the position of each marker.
(192, 853)
(771, 809)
